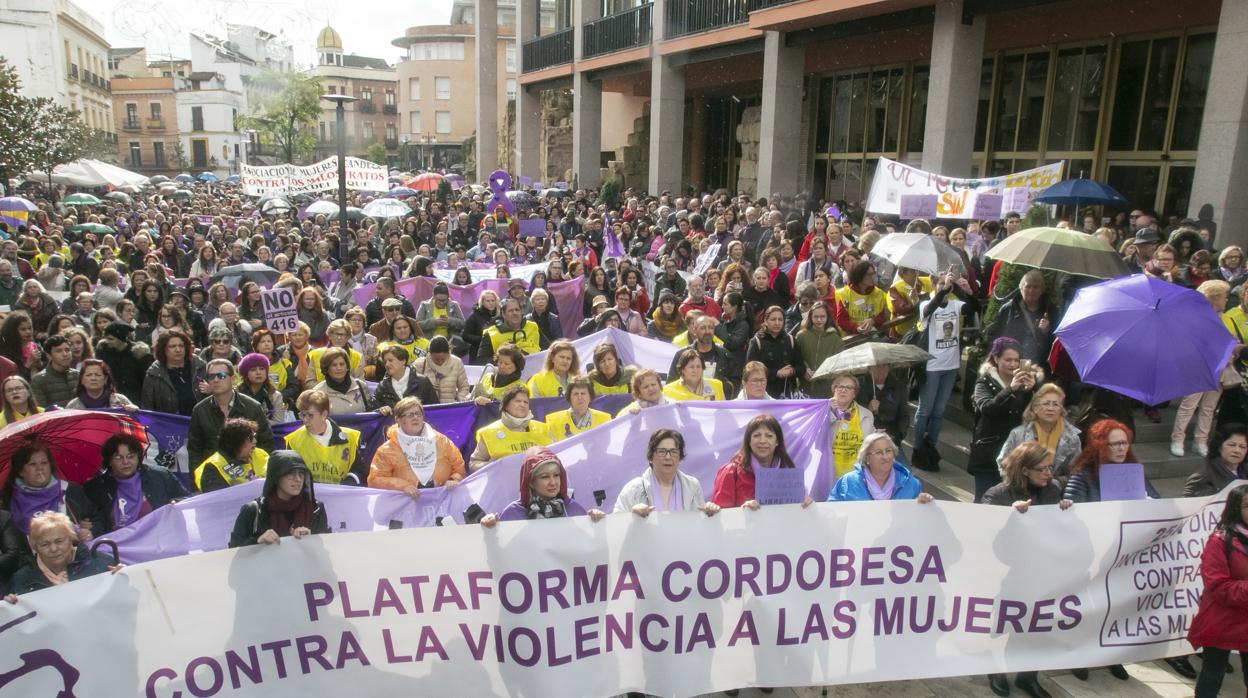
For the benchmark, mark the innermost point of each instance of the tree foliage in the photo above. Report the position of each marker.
(38, 134)
(444, 192)
(377, 153)
(284, 110)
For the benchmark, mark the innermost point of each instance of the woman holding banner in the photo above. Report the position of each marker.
(61, 558)
(1221, 624)
(692, 384)
(328, 450)
(562, 364)
(286, 507)
(414, 455)
(877, 476)
(762, 446)
(579, 416)
(663, 487)
(514, 431)
(543, 492)
(610, 376)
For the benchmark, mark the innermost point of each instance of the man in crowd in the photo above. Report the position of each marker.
(223, 402)
(56, 384)
(383, 291)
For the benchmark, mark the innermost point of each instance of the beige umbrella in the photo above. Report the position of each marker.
(864, 356)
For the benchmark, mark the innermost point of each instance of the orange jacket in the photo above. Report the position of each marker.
(390, 471)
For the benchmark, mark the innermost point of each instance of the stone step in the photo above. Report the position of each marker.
(1146, 431)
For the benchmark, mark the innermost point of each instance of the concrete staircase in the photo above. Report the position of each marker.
(1152, 448)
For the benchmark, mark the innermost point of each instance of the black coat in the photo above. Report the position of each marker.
(1011, 321)
(417, 385)
(1002, 495)
(128, 366)
(160, 487)
(1210, 478)
(159, 395)
(997, 412)
(207, 420)
(475, 325)
(13, 549)
(548, 323)
(726, 370)
(776, 352)
(252, 520)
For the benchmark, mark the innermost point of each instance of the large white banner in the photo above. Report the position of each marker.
(901, 190)
(362, 175)
(672, 605)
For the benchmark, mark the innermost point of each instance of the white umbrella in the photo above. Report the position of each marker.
(387, 208)
(273, 207)
(319, 208)
(918, 251)
(862, 357)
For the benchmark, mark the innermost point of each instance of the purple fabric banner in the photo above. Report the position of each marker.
(642, 352)
(567, 295)
(601, 460)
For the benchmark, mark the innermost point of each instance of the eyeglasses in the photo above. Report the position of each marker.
(881, 452)
(221, 341)
(667, 452)
(218, 376)
(845, 388)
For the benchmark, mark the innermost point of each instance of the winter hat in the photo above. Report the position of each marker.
(252, 361)
(119, 330)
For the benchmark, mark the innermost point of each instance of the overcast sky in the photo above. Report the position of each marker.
(367, 28)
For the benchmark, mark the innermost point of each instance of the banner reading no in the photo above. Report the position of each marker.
(672, 605)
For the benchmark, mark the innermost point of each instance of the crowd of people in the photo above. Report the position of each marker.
(755, 294)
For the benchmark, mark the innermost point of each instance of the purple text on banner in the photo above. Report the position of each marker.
(1122, 481)
(532, 228)
(987, 207)
(918, 206)
(779, 485)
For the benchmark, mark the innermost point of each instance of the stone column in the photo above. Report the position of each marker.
(957, 57)
(667, 113)
(487, 87)
(528, 102)
(1222, 158)
(779, 150)
(586, 103)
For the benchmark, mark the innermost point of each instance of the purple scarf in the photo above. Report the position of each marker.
(675, 500)
(28, 501)
(876, 490)
(128, 506)
(88, 402)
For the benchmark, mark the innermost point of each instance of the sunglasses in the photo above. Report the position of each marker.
(218, 376)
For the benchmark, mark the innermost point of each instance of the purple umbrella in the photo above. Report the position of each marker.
(1145, 338)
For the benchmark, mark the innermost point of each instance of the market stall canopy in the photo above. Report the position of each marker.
(90, 173)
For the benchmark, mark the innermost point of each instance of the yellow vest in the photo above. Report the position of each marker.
(501, 441)
(328, 464)
(545, 384)
(418, 348)
(846, 442)
(561, 426)
(527, 338)
(440, 314)
(18, 417)
(314, 363)
(257, 466)
(677, 391)
(903, 288)
(682, 340)
(1236, 321)
(621, 389)
(860, 307)
(487, 385)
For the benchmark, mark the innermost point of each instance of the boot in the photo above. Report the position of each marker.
(1029, 684)
(933, 456)
(1000, 684)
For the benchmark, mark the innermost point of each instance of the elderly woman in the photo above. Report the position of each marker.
(1028, 481)
(877, 475)
(126, 489)
(96, 389)
(663, 487)
(1206, 402)
(609, 375)
(59, 557)
(1224, 465)
(543, 492)
(236, 460)
(754, 382)
(1220, 626)
(347, 395)
(508, 370)
(40, 306)
(361, 340)
(327, 450)
(692, 383)
(401, 381)
(647, 392)
(514, 431)
(414, 455)
(1044, 420)
(286, 507)
(762, 446)
(562, 364)
(1002, 392)
(579, 416)
(851, 423)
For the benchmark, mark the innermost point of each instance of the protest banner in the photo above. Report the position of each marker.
(956, 196)
(264, 180)
(532, 228)
(779, 485)
(280, 314)
(1121, 481)
(706, 259)
(675, 604)
(918, 206)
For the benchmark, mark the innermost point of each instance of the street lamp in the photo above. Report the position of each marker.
(341, 102)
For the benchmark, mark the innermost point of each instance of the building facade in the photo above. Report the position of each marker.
(207, 110)
(373, 117)
(146, 112)
(772, 96)
(60, 53)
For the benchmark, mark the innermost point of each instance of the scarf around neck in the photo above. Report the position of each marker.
(28, 501)
(875, 489)
(130, 504)
(675, 497)
(542, 508)
(342, 386)
(104, 400)
(516, 423)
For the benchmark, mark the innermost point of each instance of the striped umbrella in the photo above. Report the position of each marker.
(1061, 249)
(14, 210)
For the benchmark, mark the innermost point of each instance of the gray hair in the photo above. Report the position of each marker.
(869, 441)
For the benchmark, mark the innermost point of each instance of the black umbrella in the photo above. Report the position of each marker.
(236, 275)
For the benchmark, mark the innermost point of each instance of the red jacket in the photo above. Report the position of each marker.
(734, 485)
(1222, 619)
(708, 307)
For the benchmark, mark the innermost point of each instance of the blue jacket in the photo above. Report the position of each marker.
(852, 487)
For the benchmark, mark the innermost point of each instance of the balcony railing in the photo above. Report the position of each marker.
(157, 124)
(392, 143)
(617, 32)
(367, 106)
(73, 72)
(545, 51)
(693, 16)
(390, 109)
(131, 125)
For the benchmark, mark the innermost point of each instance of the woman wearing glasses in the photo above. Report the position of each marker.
(851, 423)
(878, 476)
(328, 450)
(663, 487)
(1044, 421)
